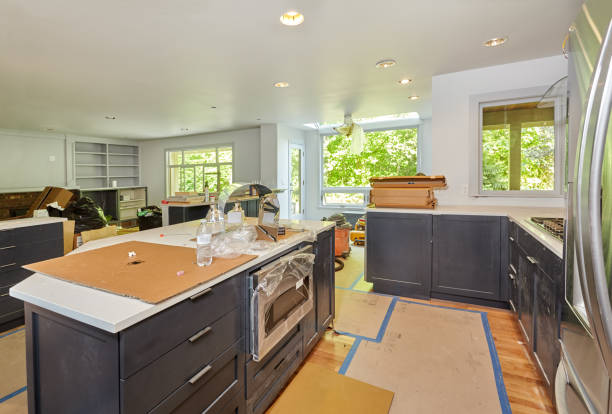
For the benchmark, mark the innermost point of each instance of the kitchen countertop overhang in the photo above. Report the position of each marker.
(114, 313)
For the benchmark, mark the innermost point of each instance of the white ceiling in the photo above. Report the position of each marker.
(160, 65)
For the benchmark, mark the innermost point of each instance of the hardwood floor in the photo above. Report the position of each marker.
(524, 384)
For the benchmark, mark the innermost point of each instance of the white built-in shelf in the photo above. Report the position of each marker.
(129, 201)
(96, 164)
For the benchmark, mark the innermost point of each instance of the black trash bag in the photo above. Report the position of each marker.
(86, 214)
(149, 217)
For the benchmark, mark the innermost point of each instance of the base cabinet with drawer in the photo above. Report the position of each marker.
(540, 290)
(20, 246)
(191, 357)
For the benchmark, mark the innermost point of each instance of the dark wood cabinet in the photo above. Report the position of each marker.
(398, 253)
(18, 247)
(324, 280)
(526, 287)
(467, 256)
(547, 348)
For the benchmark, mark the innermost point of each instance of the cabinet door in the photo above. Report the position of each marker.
(547, 347)
(467, 256)
(324, 280)
(398, 253)
(526, 287)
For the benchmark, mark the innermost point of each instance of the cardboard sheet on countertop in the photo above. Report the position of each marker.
(319, 390)
(150, 276)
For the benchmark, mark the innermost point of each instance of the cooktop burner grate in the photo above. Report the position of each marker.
(553, 225)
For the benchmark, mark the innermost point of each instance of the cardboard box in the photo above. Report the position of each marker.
(50, 195)
(403, 197)
(415, 181)
(108, 231)
(68, 236)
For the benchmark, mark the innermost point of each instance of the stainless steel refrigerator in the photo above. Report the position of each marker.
(583, 379)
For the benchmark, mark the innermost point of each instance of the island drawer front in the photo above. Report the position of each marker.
(236, 404)
(38, 233)
(263, 373)
(224, 379)
(149, 386)
(6, 238)
(143, 343)
(264, 397)
(8, 259)
(10, 308)
(13, 276)
(546, 260)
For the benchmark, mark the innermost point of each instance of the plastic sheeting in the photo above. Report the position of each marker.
(282, 297)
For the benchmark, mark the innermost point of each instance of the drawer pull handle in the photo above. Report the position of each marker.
(200, 374)
(513, 268)
(279, 364)
(200, 334)
(7, 247)
(511, 276)
(7, 265)
(532, 260)
(511, 238)
(202, 293)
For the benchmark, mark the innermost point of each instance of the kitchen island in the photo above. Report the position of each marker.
(97, 352)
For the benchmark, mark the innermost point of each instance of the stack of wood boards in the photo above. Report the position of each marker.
(406, 191)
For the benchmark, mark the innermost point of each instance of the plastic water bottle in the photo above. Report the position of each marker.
(203, 244)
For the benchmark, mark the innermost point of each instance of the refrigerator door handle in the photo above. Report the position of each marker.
(591, 257)
(567, 375)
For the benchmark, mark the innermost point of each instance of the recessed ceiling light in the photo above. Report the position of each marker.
(496, 41)
(292, 18)
(110, 117)
(413, 97)
(50, 129)
(281, 84)
(259, 119)
(213, 107)
(404, 81)
(386, 63)
(184, 129)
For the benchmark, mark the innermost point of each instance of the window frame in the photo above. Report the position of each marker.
(513, 97)
(218, 164)
(353, 190)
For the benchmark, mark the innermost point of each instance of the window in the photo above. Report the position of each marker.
(189, 169)
(519, 147)
(345, 176)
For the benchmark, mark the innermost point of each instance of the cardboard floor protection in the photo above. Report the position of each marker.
(353, 268)
(360, 313)
(436, 360)
(322, 391)
(150, 276)
(12, 361)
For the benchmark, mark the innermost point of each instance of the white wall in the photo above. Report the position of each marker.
(451, 140)
(286, 137)
(425, 147)
(246, 143)
(32, 160)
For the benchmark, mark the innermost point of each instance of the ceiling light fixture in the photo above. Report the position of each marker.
(496, 41)
(213, 107)
(185, 129)
(404, 81)
(292, 18)
(385, 63)
(413, 97)
(281, 85)
(110, 117)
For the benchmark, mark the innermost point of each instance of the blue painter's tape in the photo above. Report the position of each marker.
(10, 333)
(385, 322)
(439, 306)
(349, 357)
(13, 394)
(499, 378)
(356, 281)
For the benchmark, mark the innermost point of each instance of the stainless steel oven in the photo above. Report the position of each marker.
(281, 294)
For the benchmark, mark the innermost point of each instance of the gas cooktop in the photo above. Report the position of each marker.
(553, 225)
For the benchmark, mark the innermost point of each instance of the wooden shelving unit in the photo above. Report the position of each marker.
(97, 165)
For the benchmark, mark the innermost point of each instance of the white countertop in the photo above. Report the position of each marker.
(114, 313)
(519, 215)
(26, 222)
